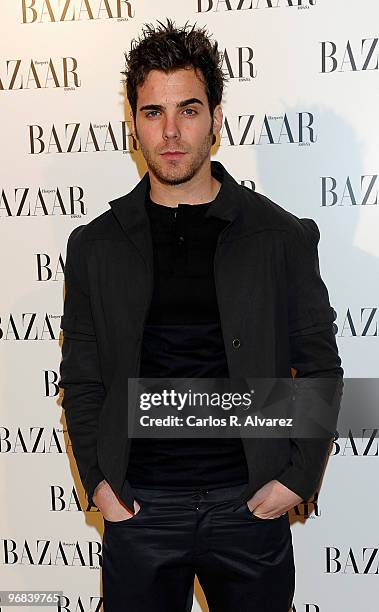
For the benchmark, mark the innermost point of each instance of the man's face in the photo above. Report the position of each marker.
(173, 124)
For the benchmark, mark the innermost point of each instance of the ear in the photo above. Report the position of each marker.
(217, 119)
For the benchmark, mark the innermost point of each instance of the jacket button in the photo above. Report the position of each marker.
(236, 342)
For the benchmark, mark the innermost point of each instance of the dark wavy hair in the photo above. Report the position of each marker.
(168, 47)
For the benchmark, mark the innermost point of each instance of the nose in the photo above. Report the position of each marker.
(170, 128)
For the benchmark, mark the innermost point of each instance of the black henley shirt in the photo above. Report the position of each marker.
(183, 338)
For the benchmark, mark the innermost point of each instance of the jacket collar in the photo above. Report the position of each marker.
(132, 215)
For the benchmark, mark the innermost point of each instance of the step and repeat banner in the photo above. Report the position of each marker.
(300, 126)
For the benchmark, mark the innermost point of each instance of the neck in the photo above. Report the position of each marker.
(202, 188)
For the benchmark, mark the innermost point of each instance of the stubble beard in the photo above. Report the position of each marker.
(174, 174)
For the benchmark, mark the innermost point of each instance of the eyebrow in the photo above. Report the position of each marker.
(179, 105)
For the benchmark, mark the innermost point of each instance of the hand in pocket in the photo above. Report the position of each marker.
(110, 505)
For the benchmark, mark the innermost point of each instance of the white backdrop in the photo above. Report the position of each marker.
(301, 123)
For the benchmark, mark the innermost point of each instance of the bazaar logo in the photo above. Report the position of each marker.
(29, 326)
(43, 11)
(81, 138)
(34, 440)
(33, 74)
(271, 129)
(351, 57)
(352, 561)
(42, 202)
(62, 500)
(363, 193)
(204, 6)
(48, 552)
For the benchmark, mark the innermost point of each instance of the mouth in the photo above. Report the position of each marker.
(173, 154)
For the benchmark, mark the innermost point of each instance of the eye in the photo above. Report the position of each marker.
(191, 110)
(149, 114)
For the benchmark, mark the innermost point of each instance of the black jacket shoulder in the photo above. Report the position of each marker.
(261, 213)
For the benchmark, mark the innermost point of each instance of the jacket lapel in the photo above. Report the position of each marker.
(130, 212)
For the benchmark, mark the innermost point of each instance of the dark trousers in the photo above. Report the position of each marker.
(242, 562)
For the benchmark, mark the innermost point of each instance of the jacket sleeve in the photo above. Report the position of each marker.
(80, 376)
(314, 354)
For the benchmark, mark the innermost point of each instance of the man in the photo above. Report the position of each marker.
(190, 275)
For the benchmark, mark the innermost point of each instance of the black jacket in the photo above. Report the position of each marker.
(275, 315)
